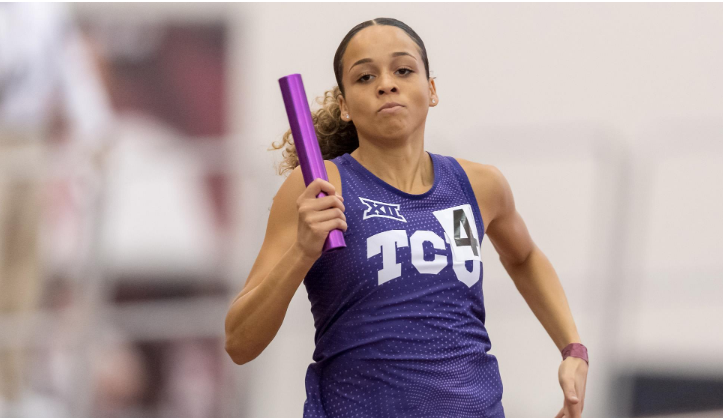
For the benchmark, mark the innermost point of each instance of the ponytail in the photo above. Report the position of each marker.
(336, 136)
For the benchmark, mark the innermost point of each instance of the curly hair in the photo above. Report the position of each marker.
(337, 136)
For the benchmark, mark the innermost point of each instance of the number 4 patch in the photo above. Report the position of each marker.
(459, 224)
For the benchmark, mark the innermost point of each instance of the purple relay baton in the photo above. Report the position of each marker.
(307, 144)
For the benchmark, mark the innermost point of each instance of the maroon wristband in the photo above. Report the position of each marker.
(575, 350)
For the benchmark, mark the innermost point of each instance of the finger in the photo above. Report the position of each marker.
(326, 202)
(582, 386)
(568, 388)
(326, 215)
(317, 186)
(575, 411)
(333, 224)
(574, 408)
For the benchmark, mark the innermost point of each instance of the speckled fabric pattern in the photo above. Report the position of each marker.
(399, 313)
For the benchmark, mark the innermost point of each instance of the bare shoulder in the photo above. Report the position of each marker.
(294, 184)
(507, 230)
(284, 211)
(332, 171)
(283, 216)
(281, 227)
(490, 187)
(479, 172)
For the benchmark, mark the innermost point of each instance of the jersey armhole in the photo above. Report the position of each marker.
(469, 192)
(338, 162)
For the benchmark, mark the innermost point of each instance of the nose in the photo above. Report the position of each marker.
(387, 84)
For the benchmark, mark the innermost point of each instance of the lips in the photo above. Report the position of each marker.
(388, 105)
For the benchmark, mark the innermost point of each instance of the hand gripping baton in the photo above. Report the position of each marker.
(307, 145)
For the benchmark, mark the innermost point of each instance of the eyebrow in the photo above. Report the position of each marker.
(394, 54)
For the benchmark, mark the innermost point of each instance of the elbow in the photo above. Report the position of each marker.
(236, 356)
(242, 344)
(518, 259)
(234, 342)
(234, 345)
(235, 350)
(241, 350)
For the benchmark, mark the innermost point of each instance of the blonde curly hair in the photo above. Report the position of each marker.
(336, 136)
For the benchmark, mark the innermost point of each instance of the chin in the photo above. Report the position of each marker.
(394, 134)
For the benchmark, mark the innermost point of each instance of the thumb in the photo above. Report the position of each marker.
(568, 386)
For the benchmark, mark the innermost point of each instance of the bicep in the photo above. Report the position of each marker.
(280, 230)
(507, 230)
(282, 225)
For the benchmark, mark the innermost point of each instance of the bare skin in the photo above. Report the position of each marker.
(391, 146)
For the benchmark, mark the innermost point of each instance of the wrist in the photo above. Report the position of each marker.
(575, 350)
(302, 256)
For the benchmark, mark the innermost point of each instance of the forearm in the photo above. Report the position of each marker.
(537, 282)
(254, 318)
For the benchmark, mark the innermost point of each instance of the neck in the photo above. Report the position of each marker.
(406, 167)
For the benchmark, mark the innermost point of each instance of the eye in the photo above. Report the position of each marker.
(408, 71)
(362, 76)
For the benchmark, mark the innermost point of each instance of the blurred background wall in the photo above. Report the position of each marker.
(606, 119)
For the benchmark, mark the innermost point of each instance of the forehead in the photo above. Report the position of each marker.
(378, 42)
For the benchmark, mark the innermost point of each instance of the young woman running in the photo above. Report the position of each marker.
(399, 312)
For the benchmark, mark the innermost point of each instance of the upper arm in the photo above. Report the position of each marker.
(506, 229)
(281, 227)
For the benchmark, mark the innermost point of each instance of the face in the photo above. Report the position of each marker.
(385, 76)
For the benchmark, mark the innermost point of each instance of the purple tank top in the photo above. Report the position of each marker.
(399, 313)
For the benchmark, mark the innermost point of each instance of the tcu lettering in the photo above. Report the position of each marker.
(463, 248)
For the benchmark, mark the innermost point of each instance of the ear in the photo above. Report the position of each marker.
(344, 109)
(433, 92)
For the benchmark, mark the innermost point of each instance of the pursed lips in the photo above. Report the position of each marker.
(391, 107)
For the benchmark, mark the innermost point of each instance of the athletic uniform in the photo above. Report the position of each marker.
(399, 313)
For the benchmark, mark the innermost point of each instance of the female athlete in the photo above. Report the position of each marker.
(399, 312)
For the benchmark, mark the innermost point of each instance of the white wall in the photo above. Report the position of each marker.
(566, 80)
(556, 96)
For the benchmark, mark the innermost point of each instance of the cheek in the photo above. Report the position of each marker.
(357, 103)
(421, 94)
(421, 102)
